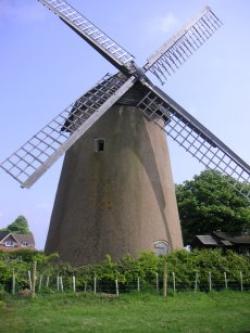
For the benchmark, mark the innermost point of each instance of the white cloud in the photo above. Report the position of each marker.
(165, 23)
(22, 11)
(43, 205)
(168, 22)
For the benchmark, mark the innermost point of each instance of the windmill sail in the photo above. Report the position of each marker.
(190, 134)
(168, 58)
(28, 163)
(105, 45)
(33, 159)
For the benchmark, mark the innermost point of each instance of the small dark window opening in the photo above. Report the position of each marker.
(99, 145)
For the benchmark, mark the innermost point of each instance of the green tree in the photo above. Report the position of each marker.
(209, 202)
(20, 225)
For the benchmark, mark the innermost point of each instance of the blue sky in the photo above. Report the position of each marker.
(44, 67)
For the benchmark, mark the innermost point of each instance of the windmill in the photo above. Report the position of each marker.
(116, 192)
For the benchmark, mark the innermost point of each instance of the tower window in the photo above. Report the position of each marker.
(99, 145)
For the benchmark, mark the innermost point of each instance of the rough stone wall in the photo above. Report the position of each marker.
(117, 201)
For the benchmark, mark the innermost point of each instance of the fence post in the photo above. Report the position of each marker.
(30, 281)
(95, 284)
(174, 287)
(85, 286)
(210, 281)
(165, 279)
(61, 283)
(57, 283)
(196, 282)
(47, 281)
(116, 287)
(34, 278)
(40, 282)
(13, 282)
(157, 281)
(225, 279)
(138, 284)
(74, 283)
(241, 282)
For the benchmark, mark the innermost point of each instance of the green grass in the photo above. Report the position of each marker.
(185, 312)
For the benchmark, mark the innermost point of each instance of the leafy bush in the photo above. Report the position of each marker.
(185, 265)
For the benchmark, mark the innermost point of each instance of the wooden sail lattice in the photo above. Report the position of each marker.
(165, 61)
(191, 135)
(33, 158)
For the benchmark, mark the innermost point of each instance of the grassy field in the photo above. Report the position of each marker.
(185, 312)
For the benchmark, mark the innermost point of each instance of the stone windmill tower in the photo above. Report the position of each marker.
(116, 192)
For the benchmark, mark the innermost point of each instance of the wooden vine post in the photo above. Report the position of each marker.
(13, 282)
(174, 282)
(165, 278)
(30, 280)
(138, 284)
(210, 281)
(34, 268)
(196, 281)
(117, 287)
(241, 282)
(47, 281)
(225, 280)
(74, 283)
(95, 283)
(40, 282)
(157, 282)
